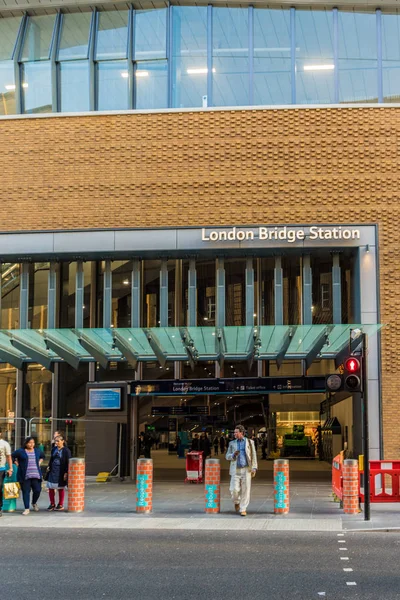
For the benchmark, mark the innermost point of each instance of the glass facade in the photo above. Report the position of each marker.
(194, 56)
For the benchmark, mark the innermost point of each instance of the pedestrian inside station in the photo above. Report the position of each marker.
(157, 355)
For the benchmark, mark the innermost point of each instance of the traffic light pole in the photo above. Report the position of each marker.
(364, 398)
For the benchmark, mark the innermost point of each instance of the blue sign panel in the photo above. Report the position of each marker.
(280, 488)
(142, 485)
(211, 496)
(105, 399)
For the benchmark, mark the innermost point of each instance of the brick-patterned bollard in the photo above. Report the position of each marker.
(144, 485)
(76, 485)
(281, 486)
(351, 487)
(213, 486)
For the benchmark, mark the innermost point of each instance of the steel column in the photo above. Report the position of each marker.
(164, 294)
(336, 290)
(107, 294)
(251, 55)
(220, 299)
(307, 290)
(192, 294)
(51, 296)
(249, 292)
(293, 53)
(79, 288)
(136, 292)
(92, 65)
(209, 55)
(379, 53)
(335, 56)
(278, 290)
(24, 296)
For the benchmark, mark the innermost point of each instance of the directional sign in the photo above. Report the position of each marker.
(238, 385)
(178, 411)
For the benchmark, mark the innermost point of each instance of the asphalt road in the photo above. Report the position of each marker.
(76, 564)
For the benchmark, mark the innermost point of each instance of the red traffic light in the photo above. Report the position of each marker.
(352, 365)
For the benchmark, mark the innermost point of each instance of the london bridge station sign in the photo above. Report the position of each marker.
(283, 234)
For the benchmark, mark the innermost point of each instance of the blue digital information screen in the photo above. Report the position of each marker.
(105, 399)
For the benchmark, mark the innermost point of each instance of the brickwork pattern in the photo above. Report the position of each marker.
(144, 485)
(328, 166)
(212, 489)
(76, 485)
(350, 487)
(281, 487)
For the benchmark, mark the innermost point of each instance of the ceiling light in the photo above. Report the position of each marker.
(142, 73)
(319, 67)
(200, 71)
(125, 74)
(10, 87)
(126, 282)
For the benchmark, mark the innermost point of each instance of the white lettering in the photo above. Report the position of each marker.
(355, 234)
(241, 235)
(249, 235)
(263, 233)
(214, 236)
(313, 233)
(346, 234)
(204, 237)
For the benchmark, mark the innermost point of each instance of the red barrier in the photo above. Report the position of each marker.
(337, 477)
(382, 490)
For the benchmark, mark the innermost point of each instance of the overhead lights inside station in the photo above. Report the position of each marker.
(199, 71)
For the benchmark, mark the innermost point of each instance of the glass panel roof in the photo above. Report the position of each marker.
(238, 342)
(172, 343)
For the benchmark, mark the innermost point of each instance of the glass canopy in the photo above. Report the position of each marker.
(192, 344)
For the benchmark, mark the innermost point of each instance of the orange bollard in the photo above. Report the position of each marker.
(76, 485)
(281, 486)
(351, 487)
(213, 486)
(144, 485)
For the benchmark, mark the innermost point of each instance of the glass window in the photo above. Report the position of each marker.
(151, 293)
(112, 35)
(391, 57)
(322, 296)
(272, 57)
(74, 80)
(121, 293)
(314, 57)
(8, 380)
(357, 57)
(10, 279)
(74, 40)
(38, 38)
(38, 295)
(113, 88)
(206, 293)
(9, 28)
(7, 88)
(36, 84)
(189, 55)
(150, 34)
(36, 400)
(266, 287)
(292, 290)
(151, 78)
(235, 293)
(230, 57)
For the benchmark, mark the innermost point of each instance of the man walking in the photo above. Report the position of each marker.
(242, 454)
(5, 459)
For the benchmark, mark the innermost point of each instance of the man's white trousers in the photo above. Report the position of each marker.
(240, 488)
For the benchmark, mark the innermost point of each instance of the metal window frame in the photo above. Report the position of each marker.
(251, 54)
(378, 13)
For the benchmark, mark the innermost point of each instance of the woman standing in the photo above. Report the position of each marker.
(29, 476)
(57, 473)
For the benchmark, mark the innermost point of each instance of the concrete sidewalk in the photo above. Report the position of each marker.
(180, 506)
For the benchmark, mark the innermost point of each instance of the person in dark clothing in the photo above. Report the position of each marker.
(216, 445)
(205, 445)
(222, 444)
(145, 445)
(264, 447)
(29, 476)
(195, 443)
(57, 473)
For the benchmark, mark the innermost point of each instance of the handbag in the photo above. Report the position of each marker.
(11, 490)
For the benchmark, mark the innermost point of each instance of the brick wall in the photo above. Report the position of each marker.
(217, 168)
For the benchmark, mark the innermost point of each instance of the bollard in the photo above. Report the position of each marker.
(76, 485)
(213, 486)
(281, 486)
(144, 485)
(350, 487)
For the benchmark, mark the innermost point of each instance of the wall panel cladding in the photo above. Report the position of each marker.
(227, 167)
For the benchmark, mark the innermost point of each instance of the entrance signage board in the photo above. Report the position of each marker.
(283, 234)
(244, 385)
